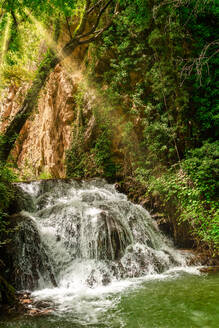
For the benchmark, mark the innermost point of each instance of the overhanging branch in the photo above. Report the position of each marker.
(97, 20)
(94, 7)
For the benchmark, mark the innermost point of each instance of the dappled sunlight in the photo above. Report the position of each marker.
(43, 31)
(71, 66)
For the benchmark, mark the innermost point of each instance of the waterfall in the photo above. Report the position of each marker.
(73, 235)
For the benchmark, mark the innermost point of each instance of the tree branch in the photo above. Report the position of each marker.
(68, 26)
(98, 34)
(75, 41)
(94, 7)
(14, 18)
(97, 21)
(84, 19)
(198, 63)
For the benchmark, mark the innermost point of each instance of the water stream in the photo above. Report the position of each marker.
(96, 259)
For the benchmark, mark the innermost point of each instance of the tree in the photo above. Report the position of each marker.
(83, 34)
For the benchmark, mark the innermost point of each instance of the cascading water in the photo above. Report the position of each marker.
(77, 240)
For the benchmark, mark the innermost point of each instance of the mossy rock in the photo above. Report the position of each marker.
(7, 292)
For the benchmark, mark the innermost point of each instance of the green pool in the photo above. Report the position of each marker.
(185, 301)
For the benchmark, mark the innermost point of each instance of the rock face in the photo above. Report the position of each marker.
(45, 137)
(9, 105)
(27, 255)
(44, 140)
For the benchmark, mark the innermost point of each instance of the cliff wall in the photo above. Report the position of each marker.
(41, 146)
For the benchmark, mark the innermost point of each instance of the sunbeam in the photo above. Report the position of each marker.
(5, 40)
(42, 30)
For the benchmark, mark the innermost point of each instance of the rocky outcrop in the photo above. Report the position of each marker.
(41, 146)
(12, 98)
(26, 255)
(44, 139)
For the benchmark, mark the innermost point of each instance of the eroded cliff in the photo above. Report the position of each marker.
(45, 137)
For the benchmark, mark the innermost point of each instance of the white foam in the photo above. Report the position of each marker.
(82, 228)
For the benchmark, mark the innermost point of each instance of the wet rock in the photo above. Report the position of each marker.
(42, 304)
(106, 279)
(28, 256)
(43, 201)
(26, 301)
(113, 237)
(210, 269)
(37, 312)
(23, 294)
(22, 201)
(91, 281)
(28, 306)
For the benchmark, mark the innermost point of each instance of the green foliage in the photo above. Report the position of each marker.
(95, 161)
(94, 156)
(161, 70)
(136, 12)
(202, 165)
(192, 189)
(178, 189)
(102, 151)
(45, 175)
(14, 75)
(6, 176)
(20, 52)
(6, 195)
(26, 33)
(76, 158)
(38, 7)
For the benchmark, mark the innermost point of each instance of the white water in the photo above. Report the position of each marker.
(93, 242)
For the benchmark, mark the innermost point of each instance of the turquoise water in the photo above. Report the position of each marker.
(186, 301)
